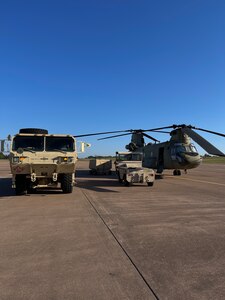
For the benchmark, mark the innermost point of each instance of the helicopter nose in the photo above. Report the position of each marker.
(194, 161)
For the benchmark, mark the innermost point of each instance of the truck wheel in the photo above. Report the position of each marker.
(150, 183)
(33, 130)
(67, 183)
(120, 180)
(21, 188)
(126, 183)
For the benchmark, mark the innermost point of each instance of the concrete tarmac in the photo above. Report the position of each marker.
(108, 241)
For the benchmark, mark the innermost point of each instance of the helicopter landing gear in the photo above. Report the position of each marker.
(176, 172)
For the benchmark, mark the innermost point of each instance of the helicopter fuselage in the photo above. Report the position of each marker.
(170, 155)
(178, 153)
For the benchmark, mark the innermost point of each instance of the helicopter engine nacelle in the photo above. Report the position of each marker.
(131, 147)
(178, 135)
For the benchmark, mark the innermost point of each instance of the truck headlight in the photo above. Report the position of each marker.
(15, 159)
(70, 159)
(66, 159)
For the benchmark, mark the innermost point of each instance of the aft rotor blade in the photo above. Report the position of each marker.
(202, 142)
(99, 133)
(150, 137)
(113, 136)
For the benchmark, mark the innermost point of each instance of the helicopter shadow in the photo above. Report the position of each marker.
(98, 183)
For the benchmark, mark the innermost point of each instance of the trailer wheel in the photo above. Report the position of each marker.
(67, 183)
(21, 188)
(150, 183)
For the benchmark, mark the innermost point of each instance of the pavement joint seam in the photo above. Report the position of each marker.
(197, 180)
(119, 243)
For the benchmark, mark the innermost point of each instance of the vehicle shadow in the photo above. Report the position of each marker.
(86, 174)
(97, 183)
(6, 187)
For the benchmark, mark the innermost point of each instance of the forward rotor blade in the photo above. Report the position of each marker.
(113, 136)
(202, 142)
(99, 133)
(166, 127)
(150, 137)
(159, 131)
(209, 131)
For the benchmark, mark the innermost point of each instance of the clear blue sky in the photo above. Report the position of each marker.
(84, 66)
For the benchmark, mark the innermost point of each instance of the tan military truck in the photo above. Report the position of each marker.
(130, 172)
(129, 169)
(42, 160)
(122, 157)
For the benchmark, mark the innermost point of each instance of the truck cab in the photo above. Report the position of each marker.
(129, 169)
(42, 160)
(128, 156)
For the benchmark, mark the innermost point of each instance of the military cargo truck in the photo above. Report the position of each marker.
(42, 160)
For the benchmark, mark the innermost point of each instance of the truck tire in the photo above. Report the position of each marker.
(150, 183)
(126, 183)
(120, 180)
(21, 187)
(67, 183)
(33, 130)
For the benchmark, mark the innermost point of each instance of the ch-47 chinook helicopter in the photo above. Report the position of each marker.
(177, 154)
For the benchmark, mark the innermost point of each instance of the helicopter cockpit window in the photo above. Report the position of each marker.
(184, 149)
(192, 148)
(180, 148)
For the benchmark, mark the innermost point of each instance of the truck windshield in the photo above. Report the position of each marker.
(54, 143)
(28, 143)
(129, 156)
(124, 157)
(137, 156)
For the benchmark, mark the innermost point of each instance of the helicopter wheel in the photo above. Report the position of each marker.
(176, 172)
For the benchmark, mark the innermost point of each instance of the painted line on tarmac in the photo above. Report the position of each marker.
(202, 181)
(88, 198)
